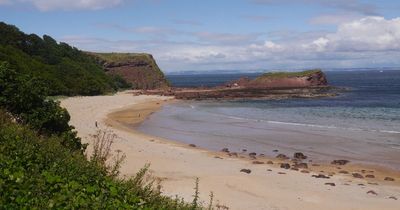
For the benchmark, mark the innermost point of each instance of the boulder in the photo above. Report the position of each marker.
(299, 155)
(340, 162)
(247, 171)
(357, 175)
(321, 176)
(285, 165)
(282, 157)
(225, 150)
(389, 179)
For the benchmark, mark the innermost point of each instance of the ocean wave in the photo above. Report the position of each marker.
(307, 124)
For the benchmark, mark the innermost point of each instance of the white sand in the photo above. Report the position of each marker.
(178, 166)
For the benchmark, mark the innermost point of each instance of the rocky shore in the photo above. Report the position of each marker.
(280, 85)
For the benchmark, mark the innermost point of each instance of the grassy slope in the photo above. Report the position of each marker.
(37, 172)
(279, 75)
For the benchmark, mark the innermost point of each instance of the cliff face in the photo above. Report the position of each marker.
(140, 69)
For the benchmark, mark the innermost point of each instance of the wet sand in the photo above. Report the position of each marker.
(267, 186)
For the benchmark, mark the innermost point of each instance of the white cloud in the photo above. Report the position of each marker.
(370, 41)
(334, 19)
(47, 5)
(366, 34)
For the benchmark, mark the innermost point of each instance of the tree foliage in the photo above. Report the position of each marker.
(64, 69)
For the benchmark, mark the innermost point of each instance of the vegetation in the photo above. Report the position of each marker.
(64, 69)
(277, 75)
(42, 163)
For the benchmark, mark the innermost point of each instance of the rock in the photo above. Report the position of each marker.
(285, 165)
(275, 150)
(234, 154)
(330, 184)
(390, 179)
(270, 162)
(369, 176)
(282, 157)
(258, 162)
(361, 184)
(340, 162)
(244, 150)
(269, 170)
(357, 175)
(392, 197)
(301, 165)
(252, 154)
(225, 150)
(299, 155)
(281, 173)
(304, 171)
(218, 157)
(372, 183)
(295, 169)
(343, 172)
(321, 176)
(192, 145)
(261, 155)
(315, 164)
(247, 171)
(372, 192)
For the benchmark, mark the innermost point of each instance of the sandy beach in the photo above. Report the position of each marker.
(266, 187)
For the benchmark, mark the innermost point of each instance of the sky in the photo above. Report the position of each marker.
(199, 35)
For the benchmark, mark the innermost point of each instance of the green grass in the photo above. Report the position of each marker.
(278, 75)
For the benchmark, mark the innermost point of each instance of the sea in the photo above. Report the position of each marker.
(361, 124)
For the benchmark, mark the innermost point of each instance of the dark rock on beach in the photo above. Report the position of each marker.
(389, 179)
(192, 145)
(247, 171)
(270, 162)
(340, 162)
(299, 155)
(285, 165)
(369, 176)
(282, 156)
(330, 184)
(321, 176)
(225, 150)
(357, 175)
(258, 162)
(372, 192)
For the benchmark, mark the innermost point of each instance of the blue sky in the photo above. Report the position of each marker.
(223, 34)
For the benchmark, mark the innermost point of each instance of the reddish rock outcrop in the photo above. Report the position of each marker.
(140, 69)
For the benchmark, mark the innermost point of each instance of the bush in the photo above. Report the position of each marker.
(25, 99)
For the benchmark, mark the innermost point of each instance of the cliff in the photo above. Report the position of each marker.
(140, 69)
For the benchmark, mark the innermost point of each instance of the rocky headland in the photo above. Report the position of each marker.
(279, 85)
(139, 69)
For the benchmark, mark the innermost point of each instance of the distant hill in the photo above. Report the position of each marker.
(140, 69)
(65, 69)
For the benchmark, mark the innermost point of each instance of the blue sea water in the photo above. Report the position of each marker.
(360, 123)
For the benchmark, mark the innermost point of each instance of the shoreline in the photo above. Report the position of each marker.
(267, 186)
(122, 120)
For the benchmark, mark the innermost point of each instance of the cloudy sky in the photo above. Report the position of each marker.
(223, 34)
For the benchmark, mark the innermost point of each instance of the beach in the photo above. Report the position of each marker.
(267, 186)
